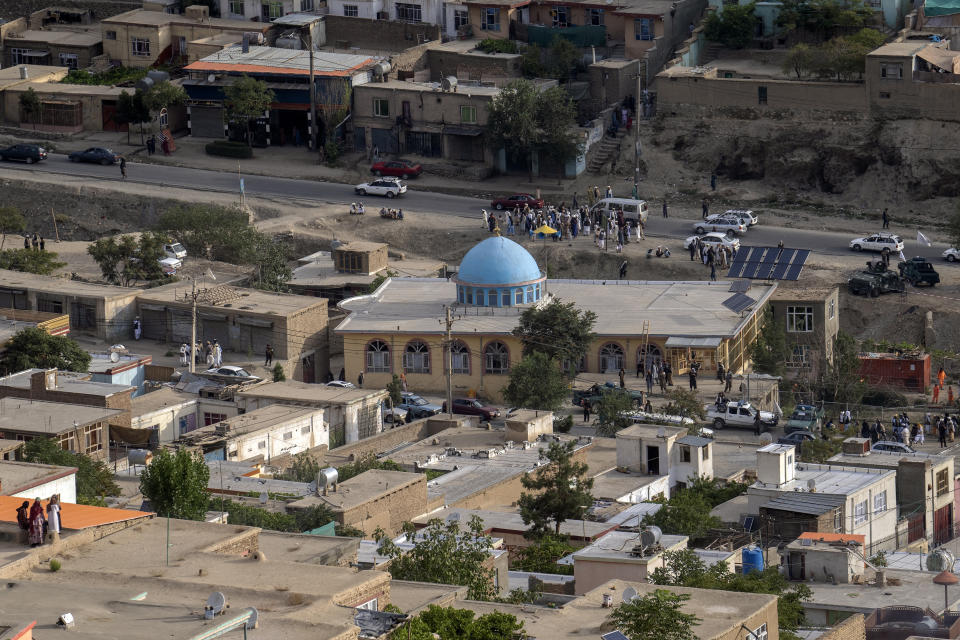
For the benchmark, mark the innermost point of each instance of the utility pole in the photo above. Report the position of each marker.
(313, 93)
(636, 129)
(449, 364)
(193, 326)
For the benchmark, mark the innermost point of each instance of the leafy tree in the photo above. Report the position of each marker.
(176, 484)
(332, 109)
(30, 261)
(536, 382)
(559, 330)
(656, 616)
(246, 99)
(270, 258)
(819, 450)
(219, 233)
(395, 388)
(556, 114)
(444, 554)
(560, 490)
(687, 512)
(531, 63)
(564, 59)
(304, 469)
(542, 556)
(129, 259)
(380, 279)
(11, 221)
(30, 106)
(611, 411)
(821, 18)
(164, 95)
(800, 60)
(35, 348)
(686, 403)
(366, 463)
(278, 374)
(132, 109)
(734, 27)
(459, 624)
(769, 353)
(840, 380)
(94, 478)
(512, 121)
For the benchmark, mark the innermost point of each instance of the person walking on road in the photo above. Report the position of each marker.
(713, 181)
(586, 409)
(704, 208)
(885, 219)
(756, 423)
(123, 168)
(623, 382)
(664, 209)
(268, 356)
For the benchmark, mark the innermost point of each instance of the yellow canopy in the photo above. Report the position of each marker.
(545, 230)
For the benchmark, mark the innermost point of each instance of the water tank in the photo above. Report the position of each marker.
(752, 560)
(24, 73)
(140, 457)
(145, 84)
(288, 42)
(158, 76)
(650, 536)
(327, 478)
(449, 83)
(380, 69)
(940, 560)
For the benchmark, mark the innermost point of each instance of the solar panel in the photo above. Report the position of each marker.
(736, 268)
(753, 262)
(739, 262)
(783, 264)
(738, 302)
(769, 262)
(796, 267)
(614, 635)
(740, 286)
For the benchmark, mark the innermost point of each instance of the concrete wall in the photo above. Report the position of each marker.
(66, 487)
(167, 420)
(819, 341)
(85, 54)
(905, 98)
(506, 14)
(611, 82)
(367, 9)
(853, 628)
(379, 35)
(591, 573)
(288, 438)
(476, 65)
(161, 37)
(39, 392)
(389, 511)
(673, 91)
(880, 528)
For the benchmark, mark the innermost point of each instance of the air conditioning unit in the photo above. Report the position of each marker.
(856, 446)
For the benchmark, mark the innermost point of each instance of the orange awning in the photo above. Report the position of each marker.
(74, 516)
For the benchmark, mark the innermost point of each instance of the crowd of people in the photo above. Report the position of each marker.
(210, 353)
(35, 524)
(35, 242)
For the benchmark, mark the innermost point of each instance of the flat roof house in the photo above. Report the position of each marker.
(77, 428)
(70, 49)
(28, 481)
(51, 385)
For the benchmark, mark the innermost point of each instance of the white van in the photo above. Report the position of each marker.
(632, 209)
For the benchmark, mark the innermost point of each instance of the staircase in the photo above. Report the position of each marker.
(711, 53)
(608, 149)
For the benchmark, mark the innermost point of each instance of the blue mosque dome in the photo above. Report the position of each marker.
(499, 273)
(498, 260)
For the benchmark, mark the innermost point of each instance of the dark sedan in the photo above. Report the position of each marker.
(397, 168)
(517, 200)
(28, 153)
(471, 407)
(96, 155)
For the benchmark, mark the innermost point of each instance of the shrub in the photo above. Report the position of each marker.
(229, 149)
(278, 374)
(495, 45)
(331, 151)
(884, 397)
(54, 565)
(563, 425)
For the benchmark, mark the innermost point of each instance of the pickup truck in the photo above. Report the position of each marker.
(805, 417)
(595, 392)
(739, 414)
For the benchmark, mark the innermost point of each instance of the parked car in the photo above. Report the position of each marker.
(917, 271)
(731, 226)
(739, 414)
(805, 417)
(417, 407)
(28, 153)
(175, 250)
(593, 394)
(393, 416)
(399, 168)
(233, 372)
(389, 187)
(472, 407)
(952, 254)
(96, 155)
(797, 438)
(880, 242)
(891, 446)
(170, 266)
(716, 239)
(343, 384)
(744, 214)
(874, 280)
(517, 200)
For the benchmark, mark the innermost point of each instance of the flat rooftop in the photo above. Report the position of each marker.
(584, 618)
(63, 286)
(614, 484)
(617, 546)
(828, 479)
(162, 398)
(789, 291)
(899, 49)
(100, 362)
(63, 38)
(633, 515)
(915, 589)
(224, 478)
(67, 382)
(512, 522)
(274, 60)
(147, 18)
(293, 392)
(691, 309)
(652, 431)
(11, 75)
(322, 272)
(58, 88)
(17, 477)
(469, 89)
(243, 300)
(888, 459)
(359, 490)
(251, 422)
(49, 418)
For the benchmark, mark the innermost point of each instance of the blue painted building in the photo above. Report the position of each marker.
(128, 369)
(499, 273)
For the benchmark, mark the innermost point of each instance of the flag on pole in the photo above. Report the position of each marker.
(922, 239)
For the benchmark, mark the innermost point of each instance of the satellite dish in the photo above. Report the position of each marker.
(765, 438)
(812, 484)
(217, 602)
(212, 78)
(254, 620)
(114, 356)
(629, 594)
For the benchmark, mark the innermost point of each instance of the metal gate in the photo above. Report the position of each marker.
(83, 316)
(214, 328)
(154, 323)
(180, 327)
(206, 122)
(385, 140)
(13, 299)
(424, 144)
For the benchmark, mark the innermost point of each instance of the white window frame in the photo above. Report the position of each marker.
(377, 361)
(831, 309)
(799, 319)
(461, 18)
(760, 633)
(460, 358)
(860, 513)
(351, 10)
(879, 502)
(408, 12)
(490, 19)
(306, 5)
(560, 21)
(140, 47)
(799, 357)
(369, 605)
(416, 357)
(381, 108)
(891, 70)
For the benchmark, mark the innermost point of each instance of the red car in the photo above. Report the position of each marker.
(471, 407)
(399, 168)
(517, 200)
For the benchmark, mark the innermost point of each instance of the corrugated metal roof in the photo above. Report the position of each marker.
(280, 61)
(697, 343)
(810, 503)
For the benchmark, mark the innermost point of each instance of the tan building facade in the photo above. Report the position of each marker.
(811, 319)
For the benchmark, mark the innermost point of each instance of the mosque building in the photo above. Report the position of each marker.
(401, 327)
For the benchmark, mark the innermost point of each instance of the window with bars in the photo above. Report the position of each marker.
(943, 482)
(236, 7)
(213, 418)
(306, 5)
(490, 19)
(468, 114)
(409, 12)
(643, 29)
(69, 60)
(880, 502)
(595, 16)
(460, 358)
(860, 513)
(496, 358)
(351, 10)
(381, 108)
(416, 358)
(461, 18)
(378, 357)
(140, 46)
(799, 319)
(799, 357)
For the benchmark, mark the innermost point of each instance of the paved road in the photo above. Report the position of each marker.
(335, 193)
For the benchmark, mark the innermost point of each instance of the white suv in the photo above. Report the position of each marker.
(951, 255)
(745, 215)
(731, 226)
(879, 242)
(390, 187)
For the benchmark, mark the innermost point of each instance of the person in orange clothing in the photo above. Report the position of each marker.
(950, 396)
(941, 376)
(936, 394)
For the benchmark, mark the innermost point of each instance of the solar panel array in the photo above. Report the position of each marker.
(768, 263)
(740, 286)
(738, 302)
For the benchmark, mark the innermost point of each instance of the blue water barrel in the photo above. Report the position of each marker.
(752, 560)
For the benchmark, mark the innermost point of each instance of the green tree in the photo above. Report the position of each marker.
(769, 352)
(30, 261)
(512, 121)
(542, 556)
(380, 279)
(444, 554)
(132, 109)
(459, 624)
(800, 60)
(213, 231)
(176, 484)
(35, 348)
(564, 59)
(531, 62)
(536, 382)
(128, 259)
(246, 99)
(656, 616)
(395, 388)
(556, 115)
(366, 463)
(559, 490)
(270, 258)
(559, 330)
(30, 106)
(819, 450)
(686, 403)
(821, 19)
(303, 469)
(164, 95)
(734, 27)
(612, 410)
(687, 512)
(11, 221)
(278, 374)
(840, 380)
(94, 478)
(333, 109)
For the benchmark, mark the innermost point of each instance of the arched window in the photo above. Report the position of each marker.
(496, 358)
(518, 295)
(469, 295)
(505, 297)
(491, 297)
(378, 357)
(530, 294)
(648, 355)
(480, 301)
(611, 357)
(460, 356)
(460, 294)
(416, 358)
